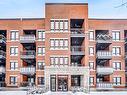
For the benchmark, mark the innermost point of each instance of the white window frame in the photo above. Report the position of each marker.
(116, 50)
(117, 81)
(13, 65)
(14, 51)
(115, 35)
(91, 65)
(91, 35)
(91, 79)
(41, 35)
(14, 35)
(91, 51)
(116, 65)
(41, 51)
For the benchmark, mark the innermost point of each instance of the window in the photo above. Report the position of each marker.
(91, 35)
(13, 65)
(117, 65)
(13, 80)
(91, 50)
(117, 80)
(14, 35)
(116, 51)
(75, 80)
(116, 35)
(14, 51)
(58, 43)
(59, 25)
(41, 65)
(66, 25)
(58, 60)
(41, 81)
(41, 51)
(91, 81)
(41, 35)
(91, 65)
(56, 25)
(52, 25)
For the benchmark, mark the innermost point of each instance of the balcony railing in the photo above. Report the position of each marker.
(77, 50)
(27, 39)
(27, 70)
(2, 54)
(77, 32)
(26, 84)
(104, 38)
(30, 54)
(2, 39)
(104, 86)
(104, 55)
(105, 70)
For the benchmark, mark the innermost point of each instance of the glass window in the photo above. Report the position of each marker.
(57, 25)
(66, 25)
(117, 65)
(91, 50)
(41, 51)
(66, 43)
(66, 61)
(14, 35)
(115, 35)
(14, 51)
(117, 80)
(41, 35)
(41, 65)
(91, 81)
(116, 51)
(13, 80)
(52, 24)
(13, 65)
(61, 25)
(41, 81)
(91, 35)
(91, 65)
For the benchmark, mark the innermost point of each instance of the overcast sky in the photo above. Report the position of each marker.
(35, 8)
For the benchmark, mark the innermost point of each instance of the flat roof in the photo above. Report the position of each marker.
(22, 18)
(66, 3)
(107, 18)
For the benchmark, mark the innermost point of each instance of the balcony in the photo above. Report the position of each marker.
(27, 39)
(27, 70)
(77, 32)
(26, 84)
(2, 54)
(30, 54)
(105, 70)
(104, 55)
(2, 39)
(77, 50)
(104, 86)
(104, 39)
(2, 70)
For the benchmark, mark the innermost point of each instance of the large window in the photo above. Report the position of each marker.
(116, 51)
(59, 25)
(117, 81)
(14, 35)
(115, 35)
(41, 35)
(91, 51)
(41, 81)
(41, 51)
(58, 43)
(14, 51)
(117, 65)
(75, 80)
(13, 80)
(59, 60)
(41, 65)
(13, 65)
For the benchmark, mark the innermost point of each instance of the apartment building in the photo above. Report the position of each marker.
(65, 50)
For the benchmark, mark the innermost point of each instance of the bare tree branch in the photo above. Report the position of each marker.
(123, 4)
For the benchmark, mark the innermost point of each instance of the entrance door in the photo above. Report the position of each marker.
(62, 83)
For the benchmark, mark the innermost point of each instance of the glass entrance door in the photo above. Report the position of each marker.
(62, 83)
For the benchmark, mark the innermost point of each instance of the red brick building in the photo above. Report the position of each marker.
(57, 50)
